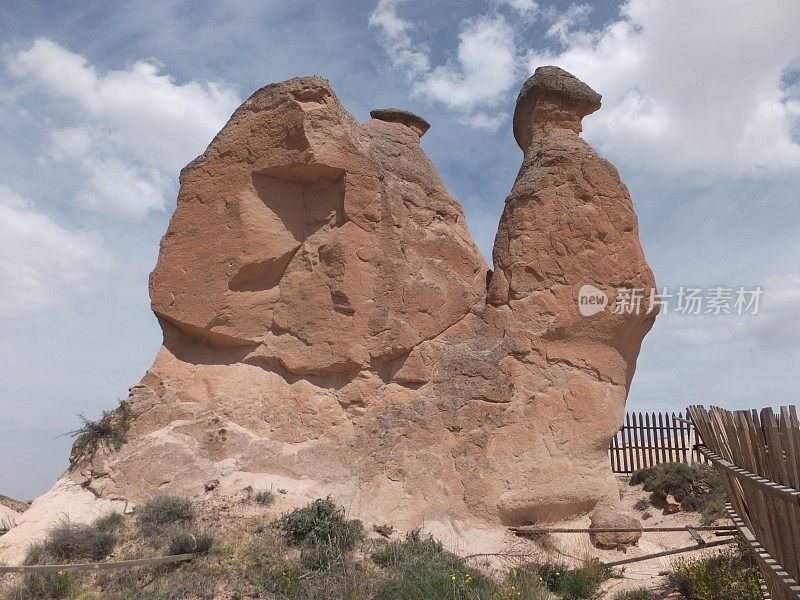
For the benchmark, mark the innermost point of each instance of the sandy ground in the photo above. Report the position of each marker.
(640, 574)
(493, 548)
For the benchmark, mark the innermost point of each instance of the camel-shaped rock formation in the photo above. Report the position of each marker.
(330, 324)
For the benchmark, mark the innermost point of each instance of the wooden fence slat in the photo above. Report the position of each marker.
(103, 566)
(683, 442)
(670, 440)
(790, 546)
(757, 454)
(650, 438)
(625, 432)
(636, 455)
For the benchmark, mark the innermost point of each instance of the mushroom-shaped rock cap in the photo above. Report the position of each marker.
(574, 99)
(398, 115)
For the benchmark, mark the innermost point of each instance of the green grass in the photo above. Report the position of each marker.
(573, 583)
(522, 582)
(418, 568)
(187, 581)
(110, 431)
(45, 586)
(697, 487)
(312, 553)
(730, 575)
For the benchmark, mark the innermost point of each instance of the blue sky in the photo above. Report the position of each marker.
(101, 103)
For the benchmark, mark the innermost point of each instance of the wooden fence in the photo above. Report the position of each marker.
(758, 458)
(648, 439)
(157, 561)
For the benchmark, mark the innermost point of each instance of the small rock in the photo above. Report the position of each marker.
(605, 519)
(671, 505)
(212, 485)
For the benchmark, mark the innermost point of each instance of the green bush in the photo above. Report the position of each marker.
(163, 510)
(635, 594)
(322, 523)
(110, 522)
(68, 542)
(412, 547)
(697, 487)
(730, 575)
(109, 431)
(574, 584)
(184, 542)
(323, 531)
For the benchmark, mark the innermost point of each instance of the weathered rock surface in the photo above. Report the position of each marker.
(610, 519)
(18, 506)
(65, 501)
(7, 515)
(328, 319)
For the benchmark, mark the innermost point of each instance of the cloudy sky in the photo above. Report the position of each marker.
(102, 103)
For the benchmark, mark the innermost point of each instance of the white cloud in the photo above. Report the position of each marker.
(396, 39)
(695, 93)
(484, 69)
(480, 75)
(71, 142)
(110, 185)
(138, 126)
(563, 23)
(42, 263)
(775, 325)
(117, 188)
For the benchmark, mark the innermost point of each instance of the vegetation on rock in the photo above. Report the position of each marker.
(110, 431)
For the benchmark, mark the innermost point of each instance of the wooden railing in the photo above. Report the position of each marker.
(648, 439)
(757, 456)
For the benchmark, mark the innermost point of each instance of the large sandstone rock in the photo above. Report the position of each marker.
(329, 321)
(603, 519)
